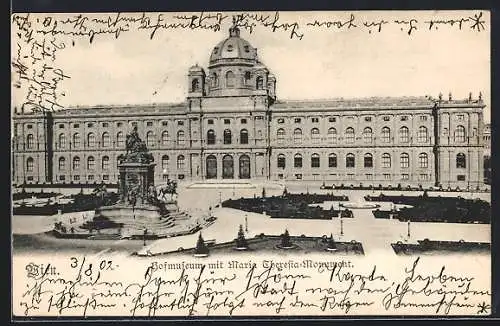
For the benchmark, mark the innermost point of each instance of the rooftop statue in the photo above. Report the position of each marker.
(137, 152)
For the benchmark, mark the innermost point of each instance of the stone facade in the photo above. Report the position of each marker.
(231, 126)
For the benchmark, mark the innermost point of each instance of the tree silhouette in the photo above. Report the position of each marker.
(201, 247)
(285, 240)
(241, 242)
(331, 243)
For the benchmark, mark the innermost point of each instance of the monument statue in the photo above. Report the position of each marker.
(137, 151)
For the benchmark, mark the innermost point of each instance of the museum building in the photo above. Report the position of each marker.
(232, 126)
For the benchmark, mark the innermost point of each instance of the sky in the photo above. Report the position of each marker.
(327, 62)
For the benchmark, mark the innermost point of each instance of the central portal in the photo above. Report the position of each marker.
(227, 167)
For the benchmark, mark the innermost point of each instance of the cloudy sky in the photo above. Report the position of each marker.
(325, 63)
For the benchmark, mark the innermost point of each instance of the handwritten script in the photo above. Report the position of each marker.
(237, 287)
(38, 38)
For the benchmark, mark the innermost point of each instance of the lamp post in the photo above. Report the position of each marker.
(408, 229)
(341, 224)
(145, 232)
(246, 223)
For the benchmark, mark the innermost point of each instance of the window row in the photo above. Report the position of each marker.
(350, 160)
(227, 137)
(230, 81)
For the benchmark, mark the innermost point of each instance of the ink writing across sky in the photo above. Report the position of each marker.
(39, 38)
(91, 288)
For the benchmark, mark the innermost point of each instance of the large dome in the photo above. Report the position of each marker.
(233, 47)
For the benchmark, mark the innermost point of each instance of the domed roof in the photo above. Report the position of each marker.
(196, 68)
(233, 47)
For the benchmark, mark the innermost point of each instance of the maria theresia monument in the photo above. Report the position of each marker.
(138, 211)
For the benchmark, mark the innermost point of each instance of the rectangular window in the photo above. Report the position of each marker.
(29, 178)
(298, 176)
(423, 118)
(368, 119)
(297, 120)
(405, 176)
(387, 176)
(105, 124)
(76, 178)
(119, 124)
(280, 176)
(243, 121)
(424, 177)
(90, 177)
(180, 176)
(259, 118)
(332, 119)
(61, 126)
(386, 118)
(62, 178)
(105, 177)
(369, 176)
(350, 176)
(90, 124)
(180, 123)
(29, 126)
(149, 123)
(164, 123)
(281, 120)
(332, 161)
(404, 118)
(227, 121)
(76, 125)
(134, 124)
(165, 177)
(315, 120)
(460, 177)
(210, 121)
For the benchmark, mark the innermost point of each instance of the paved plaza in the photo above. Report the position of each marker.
(376, 235)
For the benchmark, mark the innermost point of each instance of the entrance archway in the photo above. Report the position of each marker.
(211, 167)
(244, 167)
(227, 167)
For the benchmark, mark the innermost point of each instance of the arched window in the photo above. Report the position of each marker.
(180, 162)
(30, 164)
(423, 160)
(211, 165)
(459, 134)
(386, 160)
(210, 137)
(422, 134)
(386, 135)
(368, 160)
(76, 163)
(91, 140)
(461, 163)
(30, 141)
(195, 85)
(120, 139)
(297, 135)
(350, 161)
(332, 135)
(62, 141)
(404, 160)
(281, 161)
(315, 135)
(62, 163)
(315, 160)
(215, 80)
(247, 77)
(349, 135)
(90, 163)
(165, 138)
(150, 139)
(367, 135)
(164, 162)
(227, 137)
(244, 136)
(280, 134)
(76, 140)
(180, 137)
(105, 163)
(229, 79)
(259, 82)
(404, 135)
(106, 142)
(297, 161)
(332, 160)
